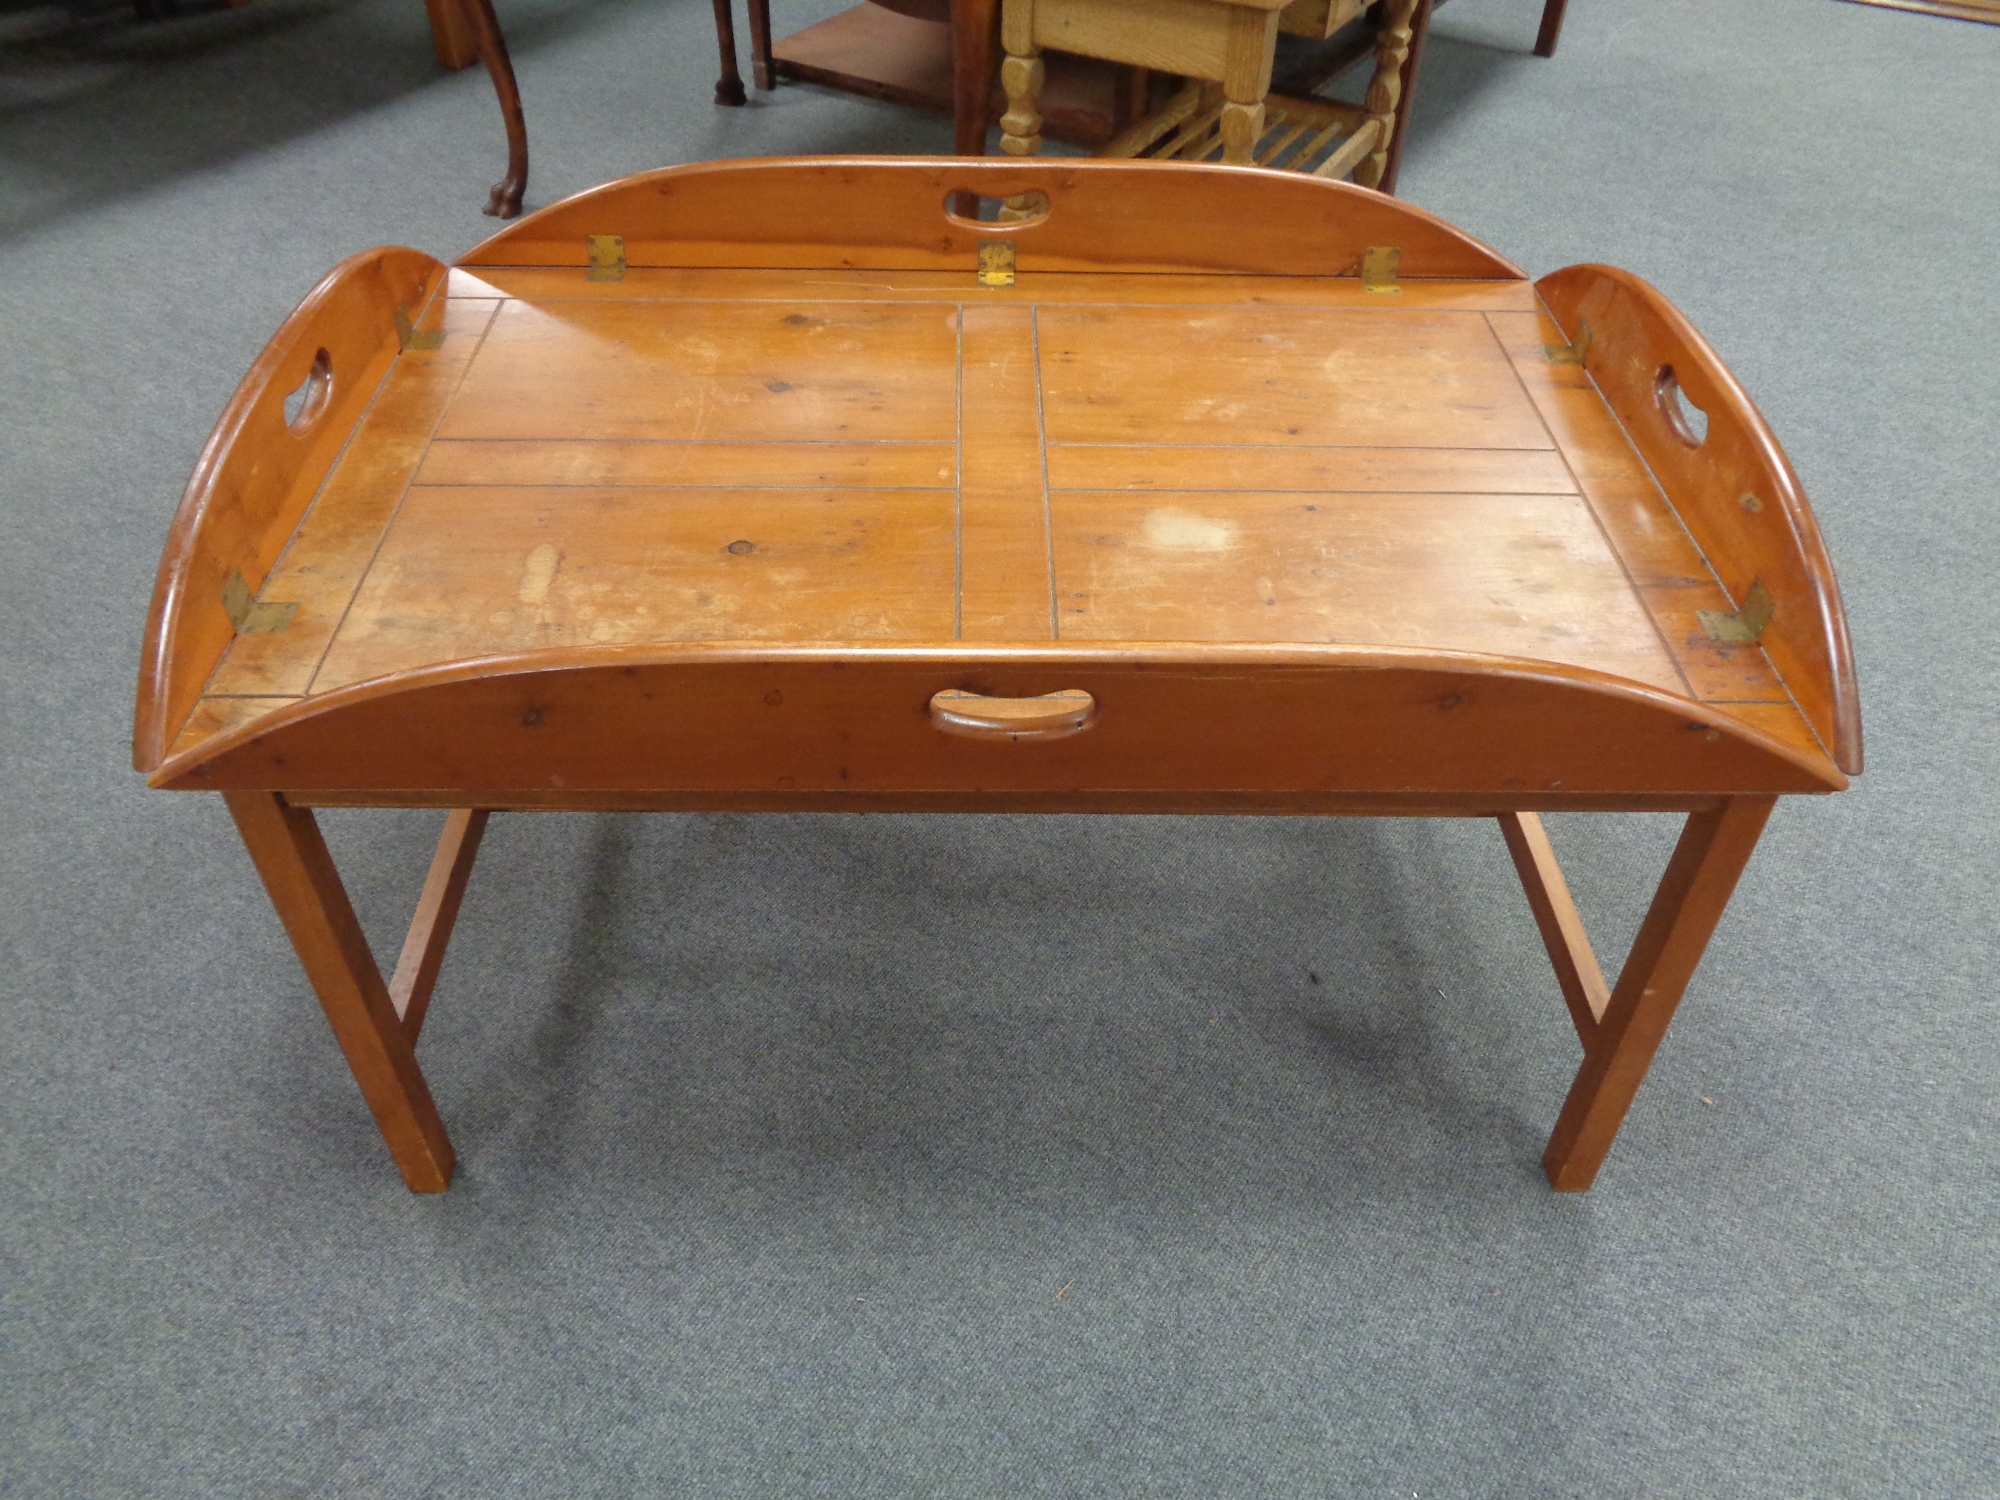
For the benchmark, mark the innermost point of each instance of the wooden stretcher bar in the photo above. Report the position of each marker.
(782, 486)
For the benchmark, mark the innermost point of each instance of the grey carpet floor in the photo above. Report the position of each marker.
(986, 1157)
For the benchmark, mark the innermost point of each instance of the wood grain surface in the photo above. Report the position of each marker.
(1733, 487)
(1104, 216)
(260, 470)
(1190, 717)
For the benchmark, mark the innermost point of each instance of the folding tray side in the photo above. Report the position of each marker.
(1731, 484)
(898, 214)
(729, 719)
(259, 471)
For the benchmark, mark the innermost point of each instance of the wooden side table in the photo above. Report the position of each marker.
(1226, 47)
(942, 62)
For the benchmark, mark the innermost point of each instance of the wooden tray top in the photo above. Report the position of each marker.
(784, 430)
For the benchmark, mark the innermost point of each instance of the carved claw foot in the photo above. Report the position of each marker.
(505, 200)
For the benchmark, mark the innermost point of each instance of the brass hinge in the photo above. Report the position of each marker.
(247, 615)
(996, 263)
(607, 256)
(1577, 351)
(1744, 626)
(407, 335)
(1378, 268)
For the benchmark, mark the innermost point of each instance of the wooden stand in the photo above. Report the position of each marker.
(1620, 1031)
(1227, 113)
(877, 52)
(377, 1025)
(285, 844)
(794, 486)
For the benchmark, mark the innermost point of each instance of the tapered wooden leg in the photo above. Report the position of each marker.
(974, 33)
(1552, 27)
(451, 36)
(1135, 93)
(729, 86)
(763, 69)
(285, 844)
(1713, 849)
(504, 202)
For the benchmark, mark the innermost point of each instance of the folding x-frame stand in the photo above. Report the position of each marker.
(377, 1022)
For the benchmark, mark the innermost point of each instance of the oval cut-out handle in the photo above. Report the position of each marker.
(309, 397)
(976, 716)
(1685, 420)
(971, 210)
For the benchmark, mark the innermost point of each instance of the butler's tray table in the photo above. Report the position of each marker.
(777, 486)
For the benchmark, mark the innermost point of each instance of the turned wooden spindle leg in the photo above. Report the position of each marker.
(1420, 26)
(1246, 79)
(285, 844)
(1020, 79)
(1713, 849)
(1385, 89)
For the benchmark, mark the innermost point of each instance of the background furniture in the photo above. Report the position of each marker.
(624, 513)
(896, 51)
(1545, 46)
(937, 55)
(463, 31)
(1226, 48)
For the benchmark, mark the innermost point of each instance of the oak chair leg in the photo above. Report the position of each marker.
(1714, 847)
(1385, 91)
(1413, 66)
(1246, 69)
(1020, 79)
(286, 846)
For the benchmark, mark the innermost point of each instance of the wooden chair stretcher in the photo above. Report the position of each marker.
(779, 486)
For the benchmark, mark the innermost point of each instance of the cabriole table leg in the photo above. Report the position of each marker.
(505, 200)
